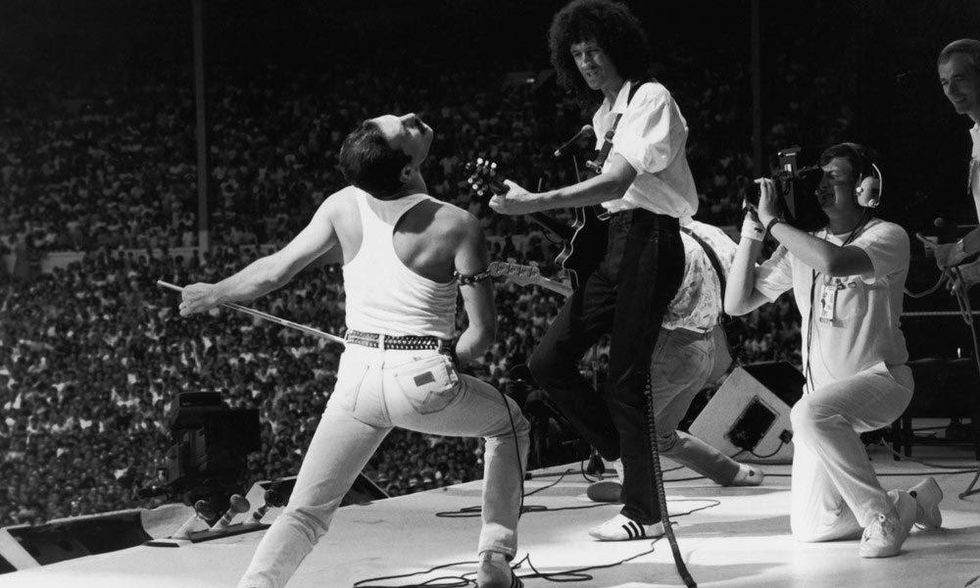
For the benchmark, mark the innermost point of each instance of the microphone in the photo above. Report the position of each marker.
(272, 499)
(238, 504)
(585, 130)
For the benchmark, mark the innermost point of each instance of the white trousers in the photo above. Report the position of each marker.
(376, 391)
(835, 492)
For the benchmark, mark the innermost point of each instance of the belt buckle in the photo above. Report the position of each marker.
(604, 216)
(381, 341)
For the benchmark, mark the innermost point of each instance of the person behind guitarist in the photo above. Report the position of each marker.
(601, 54)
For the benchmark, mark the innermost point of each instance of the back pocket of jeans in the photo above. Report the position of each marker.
(429, 384)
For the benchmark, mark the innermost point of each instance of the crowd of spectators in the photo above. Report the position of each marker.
(94, 354)
(91, 355)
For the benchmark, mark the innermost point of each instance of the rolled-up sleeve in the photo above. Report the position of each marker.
(652, 131)
(888, 247)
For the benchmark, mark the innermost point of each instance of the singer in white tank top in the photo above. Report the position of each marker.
(401, 251)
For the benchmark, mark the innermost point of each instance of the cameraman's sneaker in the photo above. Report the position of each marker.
(623, 528)
(495, 572)
(883, 537)
(928, 495)
(747, 476)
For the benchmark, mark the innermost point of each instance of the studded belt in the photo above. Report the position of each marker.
(401, 342)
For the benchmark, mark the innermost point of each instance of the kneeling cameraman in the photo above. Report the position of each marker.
(847, 279)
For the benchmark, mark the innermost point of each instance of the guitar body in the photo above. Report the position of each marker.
(585, 249)
(585, 240)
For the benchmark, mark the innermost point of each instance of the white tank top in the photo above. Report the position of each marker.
(383, 294)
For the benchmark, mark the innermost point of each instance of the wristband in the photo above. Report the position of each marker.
(772, 223)
(752, 229)
(467, 280)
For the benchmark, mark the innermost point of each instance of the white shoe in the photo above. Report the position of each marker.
(747, 476)
(883, 537)
(928, 495)
(623, 528)
(495, 572)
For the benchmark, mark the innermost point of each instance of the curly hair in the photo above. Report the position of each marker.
(370, 163)
(613, 27)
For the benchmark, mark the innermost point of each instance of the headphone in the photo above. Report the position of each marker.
(871, 186)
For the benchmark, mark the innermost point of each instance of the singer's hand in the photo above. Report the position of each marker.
(767, 201)
(196, 298)
(516, 200)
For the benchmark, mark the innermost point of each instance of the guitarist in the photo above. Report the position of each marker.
(601, 54)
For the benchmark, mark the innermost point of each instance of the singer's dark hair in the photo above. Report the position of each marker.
(370, 163)
(613, 27)
(968, 47)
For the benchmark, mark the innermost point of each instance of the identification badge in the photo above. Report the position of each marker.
(828, 302)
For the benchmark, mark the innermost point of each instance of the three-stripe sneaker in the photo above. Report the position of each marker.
(623, 528)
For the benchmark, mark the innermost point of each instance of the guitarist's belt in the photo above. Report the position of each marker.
(660, 221)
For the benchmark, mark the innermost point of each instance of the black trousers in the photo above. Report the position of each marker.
(626, 295)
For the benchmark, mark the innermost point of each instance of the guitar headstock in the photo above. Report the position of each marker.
(484, 177)
(522, 275)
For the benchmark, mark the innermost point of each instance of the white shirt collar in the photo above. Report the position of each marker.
(622, 99)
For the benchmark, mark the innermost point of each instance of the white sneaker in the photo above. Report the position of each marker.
(928, 495)
(623, 528)
(883, 537)
(747, 476)
(495, 572)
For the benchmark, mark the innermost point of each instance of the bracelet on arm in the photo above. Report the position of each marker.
(772, 223)
(467, 280)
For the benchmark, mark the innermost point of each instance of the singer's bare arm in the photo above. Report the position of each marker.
(270, 272)
(472, 258)
(611, 184)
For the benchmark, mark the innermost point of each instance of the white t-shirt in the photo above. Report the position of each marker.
(652, 137)
(856, 318)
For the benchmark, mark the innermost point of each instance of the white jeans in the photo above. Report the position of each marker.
(835, 492)
(376, 391)
(683, 361)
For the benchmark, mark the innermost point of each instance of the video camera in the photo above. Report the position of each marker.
(796, 189)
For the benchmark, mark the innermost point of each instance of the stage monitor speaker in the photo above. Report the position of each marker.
(749, 414)
(65, 539)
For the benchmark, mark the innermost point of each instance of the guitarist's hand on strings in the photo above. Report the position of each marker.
(515, 201)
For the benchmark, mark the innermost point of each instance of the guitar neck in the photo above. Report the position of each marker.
(553, 285)
(545, 221)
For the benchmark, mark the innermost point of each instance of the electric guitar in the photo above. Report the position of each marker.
(584, 240)
(527, 275)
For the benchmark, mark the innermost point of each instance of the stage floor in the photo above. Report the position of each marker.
(738, 538)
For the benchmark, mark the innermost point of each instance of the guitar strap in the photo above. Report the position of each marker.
(607, 140)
